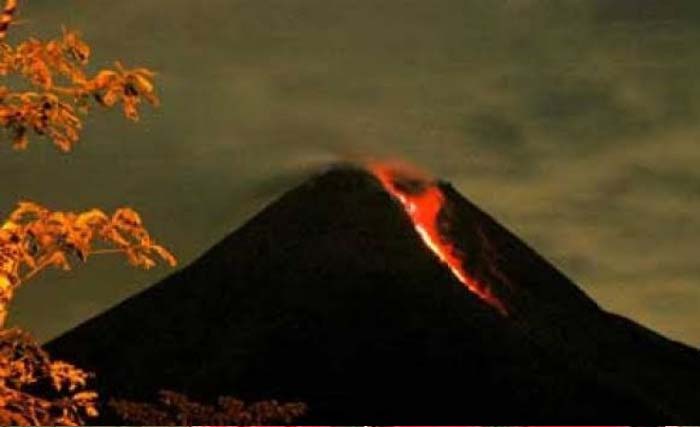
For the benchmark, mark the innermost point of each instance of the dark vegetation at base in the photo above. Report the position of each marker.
(173, 409)
(329, 297)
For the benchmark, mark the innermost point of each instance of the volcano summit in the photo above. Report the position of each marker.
(381, 298)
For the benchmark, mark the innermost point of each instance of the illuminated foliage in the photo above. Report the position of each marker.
(34, 238)
(56, 89)
(51, 91)
(37, 391)
(176, 409)
(45, 91)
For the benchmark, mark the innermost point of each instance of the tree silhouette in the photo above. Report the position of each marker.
(176, 409)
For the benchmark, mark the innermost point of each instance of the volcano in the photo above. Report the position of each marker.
(385, 298)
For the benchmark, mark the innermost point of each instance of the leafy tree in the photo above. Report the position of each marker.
(45, 92)
(52, 91)
(55, 89)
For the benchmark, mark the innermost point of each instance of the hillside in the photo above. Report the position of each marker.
(329, 296)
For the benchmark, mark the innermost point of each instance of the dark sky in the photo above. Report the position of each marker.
(575, 123)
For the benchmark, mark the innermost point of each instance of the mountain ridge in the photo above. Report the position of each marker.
(329, 296)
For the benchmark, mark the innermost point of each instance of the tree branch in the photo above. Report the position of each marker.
(6, 18)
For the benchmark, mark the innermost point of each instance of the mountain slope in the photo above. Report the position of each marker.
(331, 297)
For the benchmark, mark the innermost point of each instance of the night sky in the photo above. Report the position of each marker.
(573, 122)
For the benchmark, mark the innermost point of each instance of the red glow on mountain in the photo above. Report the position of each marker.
(423, 201)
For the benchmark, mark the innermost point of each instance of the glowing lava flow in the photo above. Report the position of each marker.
(423, 207)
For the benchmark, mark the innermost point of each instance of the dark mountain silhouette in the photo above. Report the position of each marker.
(329, 296)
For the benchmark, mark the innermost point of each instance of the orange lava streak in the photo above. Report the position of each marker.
(423, 207)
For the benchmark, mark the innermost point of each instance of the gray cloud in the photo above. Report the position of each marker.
(575, 123)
